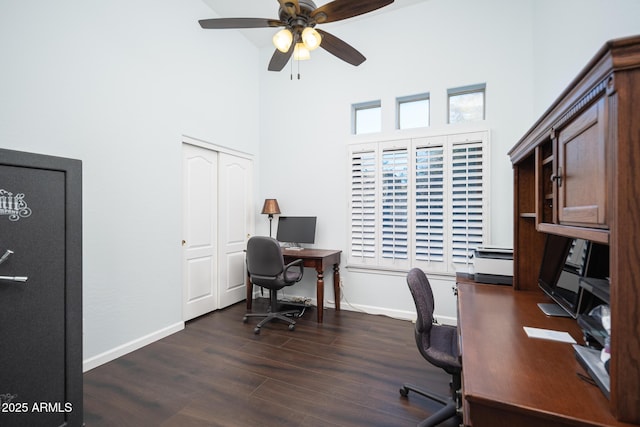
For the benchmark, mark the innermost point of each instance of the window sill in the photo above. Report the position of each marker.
(390, 271)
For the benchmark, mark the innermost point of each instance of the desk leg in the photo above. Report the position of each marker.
(336, 285)
(249, 293)
(320, 294)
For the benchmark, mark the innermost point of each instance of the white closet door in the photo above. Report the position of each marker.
(236, 220)
(200, 223)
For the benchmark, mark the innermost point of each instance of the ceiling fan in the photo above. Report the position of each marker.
(299, 35)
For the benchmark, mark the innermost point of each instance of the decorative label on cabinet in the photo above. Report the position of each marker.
(14, 206)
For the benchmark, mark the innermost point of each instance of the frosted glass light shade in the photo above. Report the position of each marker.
(301, 53)
(311, 38)
(282, 40)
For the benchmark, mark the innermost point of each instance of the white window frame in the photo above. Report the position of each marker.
(366, 227)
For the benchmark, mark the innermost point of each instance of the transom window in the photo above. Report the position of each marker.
(466, 104)
(366, 117)
(412, 111)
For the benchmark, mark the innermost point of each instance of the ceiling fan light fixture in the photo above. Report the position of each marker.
(300, 52)
(311, 38)
(282, 40)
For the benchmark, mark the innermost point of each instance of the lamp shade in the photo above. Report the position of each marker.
(270, 207)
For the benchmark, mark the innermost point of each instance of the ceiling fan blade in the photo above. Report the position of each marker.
(292, 7)
(226, 23)
(340, 49)
(343, 9)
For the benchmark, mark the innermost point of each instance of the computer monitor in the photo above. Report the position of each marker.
(556, 249)
(564, 261)
(295, 230)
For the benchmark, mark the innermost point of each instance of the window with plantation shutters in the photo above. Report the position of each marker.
(419, 202)
(467, 203)
(429, 204)
(395, 204)
(363, 204)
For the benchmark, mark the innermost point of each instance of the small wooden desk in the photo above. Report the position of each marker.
(509, 379)
(320, 260)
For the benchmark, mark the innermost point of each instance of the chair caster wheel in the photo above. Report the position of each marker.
(245, 319)
(256, 331)
(292, 327)
(404, 392)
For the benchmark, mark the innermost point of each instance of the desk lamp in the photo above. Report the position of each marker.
(270, 208)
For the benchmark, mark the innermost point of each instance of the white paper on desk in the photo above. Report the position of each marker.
(548, 334)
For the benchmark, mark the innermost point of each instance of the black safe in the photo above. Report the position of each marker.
(40, 290)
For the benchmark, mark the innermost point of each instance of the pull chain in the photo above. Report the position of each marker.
(291, 72)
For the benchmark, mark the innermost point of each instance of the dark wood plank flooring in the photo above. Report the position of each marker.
(217, 372)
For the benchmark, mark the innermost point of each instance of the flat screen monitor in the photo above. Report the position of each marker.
(296, 229)
(564, 261)
(562, 266)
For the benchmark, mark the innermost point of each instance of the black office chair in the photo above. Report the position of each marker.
(265, 266)
(438, 344)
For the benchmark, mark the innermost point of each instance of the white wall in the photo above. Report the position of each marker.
(116, 84)
(526, 52)
(568, 34)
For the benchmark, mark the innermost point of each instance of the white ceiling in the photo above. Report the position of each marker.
(261, 37)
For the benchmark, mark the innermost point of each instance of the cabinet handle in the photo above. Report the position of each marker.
(20, 279)
(557, 178)
(6, 255)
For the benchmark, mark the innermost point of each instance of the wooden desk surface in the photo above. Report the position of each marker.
(510, 379)
(311, 253)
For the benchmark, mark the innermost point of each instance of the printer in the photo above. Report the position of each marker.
(493, 264)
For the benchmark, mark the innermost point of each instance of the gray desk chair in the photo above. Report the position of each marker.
(265, 266)
(438, 344)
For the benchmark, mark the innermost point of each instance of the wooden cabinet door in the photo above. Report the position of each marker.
(581, 174)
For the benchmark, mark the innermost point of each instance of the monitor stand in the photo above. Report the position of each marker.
(553, 310)
(294, 247)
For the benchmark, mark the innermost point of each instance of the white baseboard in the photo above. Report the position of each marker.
(108, 356)
(393, 313)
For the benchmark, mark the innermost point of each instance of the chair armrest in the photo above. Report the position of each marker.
(296, 263)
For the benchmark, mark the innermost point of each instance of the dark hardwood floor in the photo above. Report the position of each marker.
(217, 372)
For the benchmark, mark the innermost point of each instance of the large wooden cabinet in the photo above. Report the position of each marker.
(577, 174)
